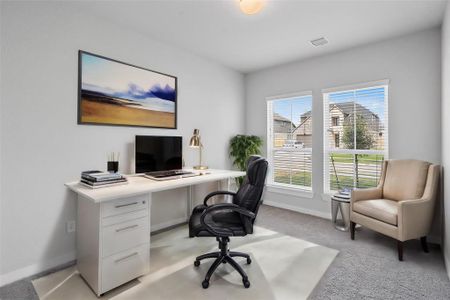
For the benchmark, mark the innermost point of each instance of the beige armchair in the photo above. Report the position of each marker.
(402, 204)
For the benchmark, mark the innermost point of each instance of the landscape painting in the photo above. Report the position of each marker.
(116, 93)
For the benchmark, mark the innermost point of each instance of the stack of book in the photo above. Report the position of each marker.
(98, 179)
(344, 194)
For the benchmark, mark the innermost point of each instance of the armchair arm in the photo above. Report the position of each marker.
(415, 216)
(372, 193)
(224, 206)
(367, 194)
(210, 195)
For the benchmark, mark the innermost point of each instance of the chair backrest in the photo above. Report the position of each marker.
(250, 192)
(405, 179)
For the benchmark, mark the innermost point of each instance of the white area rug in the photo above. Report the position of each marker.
(282, 267)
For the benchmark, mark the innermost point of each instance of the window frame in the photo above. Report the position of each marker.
(273, 186)
(326, 115)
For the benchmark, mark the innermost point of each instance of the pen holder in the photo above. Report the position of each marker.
(113, 166)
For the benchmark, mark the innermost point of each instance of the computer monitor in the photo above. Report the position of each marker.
(158, 153)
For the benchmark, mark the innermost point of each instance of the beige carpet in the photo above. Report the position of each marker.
(282, 267)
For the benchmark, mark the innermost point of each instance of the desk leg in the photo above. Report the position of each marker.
(189, 201)
(230, 199)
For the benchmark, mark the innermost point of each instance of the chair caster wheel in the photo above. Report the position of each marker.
(197, 263)
(246, 283)
(249, 261)
(205, 284)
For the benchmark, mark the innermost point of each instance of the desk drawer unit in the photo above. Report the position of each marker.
(124, 266)
(126, 235)
(113, 241)
(124, 205)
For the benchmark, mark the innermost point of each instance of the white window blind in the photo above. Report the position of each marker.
(289, 136)
(355, 136)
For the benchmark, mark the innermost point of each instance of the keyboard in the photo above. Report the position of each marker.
(167, 175)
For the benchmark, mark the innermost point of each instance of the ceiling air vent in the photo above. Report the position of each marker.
(319, 42)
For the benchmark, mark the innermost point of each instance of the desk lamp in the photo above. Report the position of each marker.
(196, 142)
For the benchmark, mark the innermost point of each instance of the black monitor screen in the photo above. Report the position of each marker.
(158, 153)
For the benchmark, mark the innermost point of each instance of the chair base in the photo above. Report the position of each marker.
(224, 256)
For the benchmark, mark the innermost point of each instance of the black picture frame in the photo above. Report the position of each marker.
(79, 108)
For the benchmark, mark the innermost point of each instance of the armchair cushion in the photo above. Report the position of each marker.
(381, 209)
(405, 179)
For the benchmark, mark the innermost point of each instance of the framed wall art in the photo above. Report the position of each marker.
(111, 92)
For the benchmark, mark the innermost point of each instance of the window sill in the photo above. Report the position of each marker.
(286, 190)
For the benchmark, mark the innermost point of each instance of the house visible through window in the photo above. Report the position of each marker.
(354, 150)
(289, 140)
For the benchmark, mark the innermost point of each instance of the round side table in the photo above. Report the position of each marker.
(342, 205)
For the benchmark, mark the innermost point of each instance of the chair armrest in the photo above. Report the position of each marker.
(414, 218)
(224, 206)
(210, 195)
(371, 193)
(366, 194)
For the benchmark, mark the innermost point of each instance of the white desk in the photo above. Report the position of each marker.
(113, 227)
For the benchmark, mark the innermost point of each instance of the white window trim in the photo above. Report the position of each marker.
(289, 96)
(358, 86)
(280, 187)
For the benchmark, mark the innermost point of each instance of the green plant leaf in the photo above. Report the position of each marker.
(241, 148)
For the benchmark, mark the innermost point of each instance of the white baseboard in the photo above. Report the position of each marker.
(302, 210)
(36, 268)
(156, 227)
(446, 261)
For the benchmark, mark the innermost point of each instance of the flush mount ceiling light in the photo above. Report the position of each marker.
(319, 42)
(251, 7)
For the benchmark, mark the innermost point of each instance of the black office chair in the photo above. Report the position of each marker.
(230, 219)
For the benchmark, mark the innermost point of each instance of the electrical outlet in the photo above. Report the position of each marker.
(70, 226)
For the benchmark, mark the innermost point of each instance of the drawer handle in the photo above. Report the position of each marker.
(128, 204)
(128, 256)
(125, 228)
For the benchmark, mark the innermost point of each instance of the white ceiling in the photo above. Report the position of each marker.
(280, 33)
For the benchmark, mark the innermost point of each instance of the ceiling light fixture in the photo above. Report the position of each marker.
(319, 42)
(251, 7)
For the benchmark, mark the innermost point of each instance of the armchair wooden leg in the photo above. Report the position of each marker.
(352, 230)
(400, 250)
(423, 241)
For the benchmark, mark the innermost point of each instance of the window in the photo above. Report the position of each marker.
(289, 140)
(355, 150)
(335, 121)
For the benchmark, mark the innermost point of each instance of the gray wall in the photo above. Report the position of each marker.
(446, 133)
(42, 146)
(412, 63)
